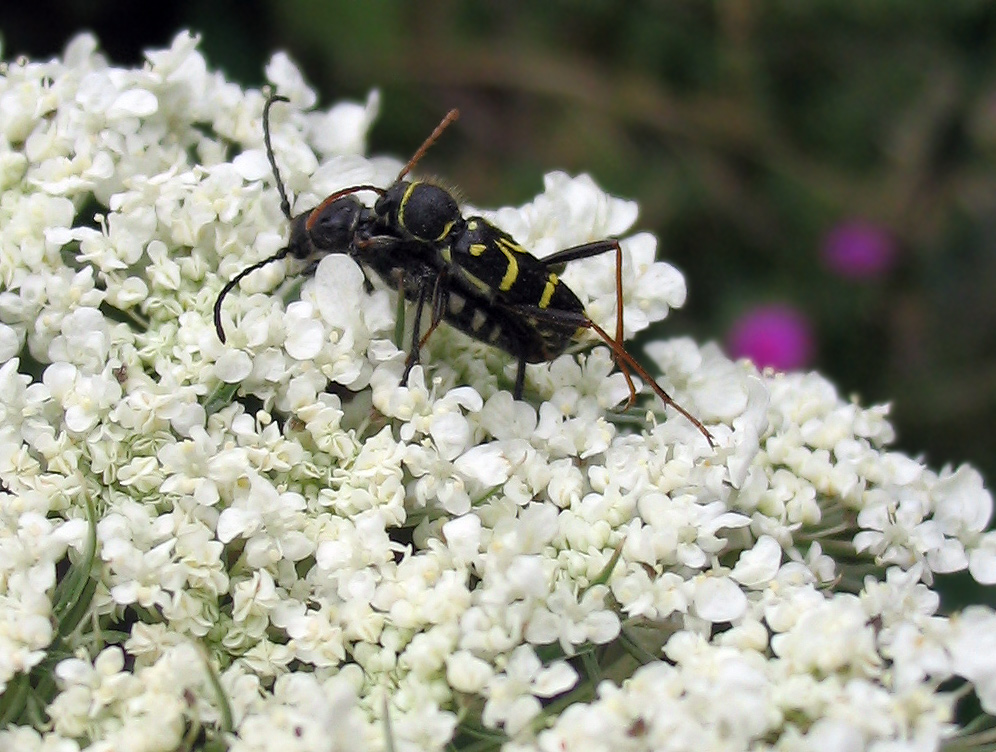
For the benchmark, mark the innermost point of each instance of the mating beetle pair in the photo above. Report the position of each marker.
(473, 275)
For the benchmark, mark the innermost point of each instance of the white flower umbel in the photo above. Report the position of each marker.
(270, 544)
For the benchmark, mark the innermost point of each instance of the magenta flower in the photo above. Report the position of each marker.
(776, 335)
(859, 250)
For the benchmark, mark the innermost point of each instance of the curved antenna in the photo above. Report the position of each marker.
(313, 214)
(451, 116)
(284, 201)
(282, 253)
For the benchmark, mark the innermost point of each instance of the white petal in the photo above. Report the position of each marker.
(466, 672)
(758, 565)
(962, 500)
(231, 523)
(10, 343)
(982, 565)
(233, 366)
(134, 103)
(718, 599)
(556, 678)
(305, 335)
(451, 434)
(485, 463)
(948, 557)
(463, 536)
(289, 82)
(252, 164)
(338, 286)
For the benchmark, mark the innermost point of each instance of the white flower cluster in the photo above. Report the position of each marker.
(295, 552)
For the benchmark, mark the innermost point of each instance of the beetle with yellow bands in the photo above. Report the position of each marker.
(472, 274)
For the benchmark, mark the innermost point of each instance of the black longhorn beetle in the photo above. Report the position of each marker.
(474, 276)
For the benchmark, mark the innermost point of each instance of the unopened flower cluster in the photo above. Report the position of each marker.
(296, 552)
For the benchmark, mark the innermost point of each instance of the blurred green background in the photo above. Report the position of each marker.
(749, 132)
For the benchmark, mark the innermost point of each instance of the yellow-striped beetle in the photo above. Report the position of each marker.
(474, 276)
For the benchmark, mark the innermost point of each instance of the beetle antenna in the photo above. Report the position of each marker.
(284, 201)
(282, 253)
(314, 213)
(445, 123)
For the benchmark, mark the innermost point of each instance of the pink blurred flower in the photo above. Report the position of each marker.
(859, 250)
(776, 335)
